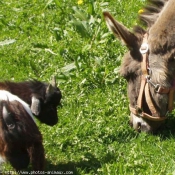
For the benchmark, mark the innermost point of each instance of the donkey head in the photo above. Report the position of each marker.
(150, 71)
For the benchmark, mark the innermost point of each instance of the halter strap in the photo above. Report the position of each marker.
(145, 115)
(144, 89)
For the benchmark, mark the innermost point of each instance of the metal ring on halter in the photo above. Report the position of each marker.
(157, 88)
(144, 48)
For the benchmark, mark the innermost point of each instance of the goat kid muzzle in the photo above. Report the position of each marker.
(144, 89)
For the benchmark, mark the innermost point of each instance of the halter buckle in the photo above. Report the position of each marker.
(157, 88)
(144, 48)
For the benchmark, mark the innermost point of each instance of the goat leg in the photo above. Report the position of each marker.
(37, 157)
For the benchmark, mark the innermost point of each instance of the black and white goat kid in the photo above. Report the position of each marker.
(20, 139)
(42, 98)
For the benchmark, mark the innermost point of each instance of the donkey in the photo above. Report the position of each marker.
(20, 139)
(42, 98)
(149, 65)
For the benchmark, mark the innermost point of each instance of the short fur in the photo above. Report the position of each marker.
(48, 103)
(20, 139)
(159, 19)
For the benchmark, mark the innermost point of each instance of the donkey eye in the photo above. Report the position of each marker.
(149, 71)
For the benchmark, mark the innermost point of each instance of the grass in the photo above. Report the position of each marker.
(51, 37)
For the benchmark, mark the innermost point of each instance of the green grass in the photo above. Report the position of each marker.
(72, 42)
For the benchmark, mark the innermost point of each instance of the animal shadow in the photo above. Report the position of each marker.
(92, 164)
(168, 129)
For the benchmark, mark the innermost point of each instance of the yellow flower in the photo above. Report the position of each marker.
(80, 2)
(140, 11)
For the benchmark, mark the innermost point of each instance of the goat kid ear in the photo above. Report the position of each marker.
(35, 106)
(8, 117)
(120, 31)
(50, 89)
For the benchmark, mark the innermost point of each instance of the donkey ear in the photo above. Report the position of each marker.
(35, 106)
(120, 31)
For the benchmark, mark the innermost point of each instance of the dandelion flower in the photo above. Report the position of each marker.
(140, 11)
(80, 2)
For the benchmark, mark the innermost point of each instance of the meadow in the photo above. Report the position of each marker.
(70, 40)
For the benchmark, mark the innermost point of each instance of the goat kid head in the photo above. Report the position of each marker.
(45, 108)
(20, 139)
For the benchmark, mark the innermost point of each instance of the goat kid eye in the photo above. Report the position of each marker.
(11, 126)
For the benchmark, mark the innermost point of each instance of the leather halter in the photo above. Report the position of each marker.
(144, 89)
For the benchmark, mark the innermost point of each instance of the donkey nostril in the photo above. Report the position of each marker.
(139, 127)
